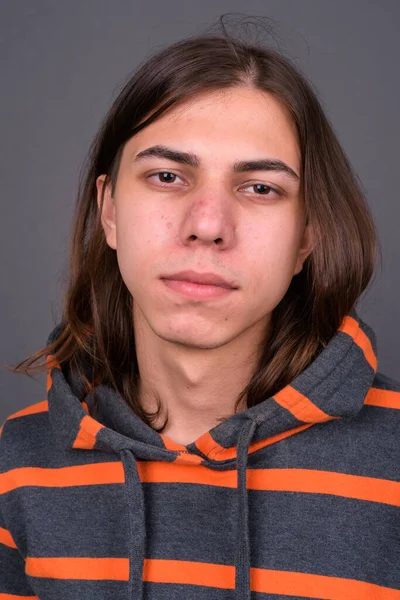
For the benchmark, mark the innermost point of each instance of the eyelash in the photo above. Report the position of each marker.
(277, 192)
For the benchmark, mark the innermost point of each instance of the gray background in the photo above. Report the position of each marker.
(61, 66)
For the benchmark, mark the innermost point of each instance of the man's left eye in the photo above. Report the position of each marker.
(265, 189)
(162, 174)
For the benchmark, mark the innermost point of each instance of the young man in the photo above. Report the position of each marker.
(214, 425)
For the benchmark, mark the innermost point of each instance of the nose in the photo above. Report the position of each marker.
(209, 219)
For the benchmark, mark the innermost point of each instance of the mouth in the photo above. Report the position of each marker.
(200, 291)
(211, 279)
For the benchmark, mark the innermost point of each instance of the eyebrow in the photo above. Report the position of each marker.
(188, 158)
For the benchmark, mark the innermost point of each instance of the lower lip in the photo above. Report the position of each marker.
(197, 290)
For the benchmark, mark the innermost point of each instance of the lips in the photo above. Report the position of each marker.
(202, 279)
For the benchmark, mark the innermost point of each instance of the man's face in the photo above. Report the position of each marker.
(247, 227)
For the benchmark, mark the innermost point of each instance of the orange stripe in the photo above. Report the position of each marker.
(161, 472)
(384, 398)
(86, 437)
(300, 406)
(208, 446)
(185, 458)
(185, 571)
(214, 451)
(371, 489)
(111, 569)
(280, 480)
(49, 382)
(1, 430)
(276, 438)
(6, 538)
(363, 341)
(92, 474)
(51, 363)
(285, 480)
(352, 328)
(317, 586)
(171, 445)
(265, 581)
(33, 409)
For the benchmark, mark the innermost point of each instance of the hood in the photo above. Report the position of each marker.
(334, 386)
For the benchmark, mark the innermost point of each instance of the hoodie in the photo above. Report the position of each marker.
(296, 497)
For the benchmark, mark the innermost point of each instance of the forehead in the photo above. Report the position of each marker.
(224, 126)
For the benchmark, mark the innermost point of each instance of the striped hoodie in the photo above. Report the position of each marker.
(297, 497)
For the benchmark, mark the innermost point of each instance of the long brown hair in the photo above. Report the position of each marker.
(97, 327)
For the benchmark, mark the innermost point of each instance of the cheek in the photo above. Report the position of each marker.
(143, 229)
(273, 251)
(141, 240)
(276, 238)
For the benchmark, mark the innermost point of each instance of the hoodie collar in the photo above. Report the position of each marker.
(333, 386)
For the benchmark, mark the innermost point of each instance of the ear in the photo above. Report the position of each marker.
(306, 247)
(108, 210)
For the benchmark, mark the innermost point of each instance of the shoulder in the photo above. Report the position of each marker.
(381, 411)
(384, 382)
(31, 409)
(22, 434)
(374, 432)
(386, 390)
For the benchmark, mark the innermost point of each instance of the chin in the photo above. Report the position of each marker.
(205, 339)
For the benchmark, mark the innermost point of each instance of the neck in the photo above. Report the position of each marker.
(197, 387)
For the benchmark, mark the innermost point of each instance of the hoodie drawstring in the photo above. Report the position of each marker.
(137, 538)
(242, 584)
(135, 501)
